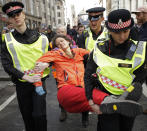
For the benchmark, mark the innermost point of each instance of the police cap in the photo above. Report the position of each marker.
(95, 10)
(119, 20)
(12, 8)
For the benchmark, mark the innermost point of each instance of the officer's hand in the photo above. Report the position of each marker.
(96, 109)
(39, 67)
(32, 79)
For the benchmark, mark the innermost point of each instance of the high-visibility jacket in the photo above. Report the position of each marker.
(90, 43)
(116, 75)
(24, 56)
(70, 71)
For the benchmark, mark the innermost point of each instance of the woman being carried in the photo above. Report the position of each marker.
(68, 62)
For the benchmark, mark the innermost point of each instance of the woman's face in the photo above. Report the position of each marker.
(62, 43)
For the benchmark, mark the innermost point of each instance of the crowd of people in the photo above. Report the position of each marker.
(99, 69)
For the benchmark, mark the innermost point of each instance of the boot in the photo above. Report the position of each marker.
(85, 119)
(63, 115)
(145, 111)
(111, 104)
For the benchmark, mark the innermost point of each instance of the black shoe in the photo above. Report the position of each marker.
(63, 116)
(111, 105)
(85, 119)
(145, 112)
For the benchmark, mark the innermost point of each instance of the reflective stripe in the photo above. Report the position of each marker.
(11, 47)
(95, 59)
(43, 44)
(94, 53)
(8, 36)
(87, 40)
(98, 70)
(137, 62)
(139, 49)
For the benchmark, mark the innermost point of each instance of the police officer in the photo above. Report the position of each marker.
(141, 16)
(95, 30)
(120, 65)
(19, 51)
(89, 36)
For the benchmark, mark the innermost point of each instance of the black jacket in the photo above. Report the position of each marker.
(143, 32)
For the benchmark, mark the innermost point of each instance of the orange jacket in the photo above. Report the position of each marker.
(70, 71)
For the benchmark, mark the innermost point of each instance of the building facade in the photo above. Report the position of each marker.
(39, 13)
(131, 5)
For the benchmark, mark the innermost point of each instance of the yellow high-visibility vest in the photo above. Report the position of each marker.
(90, 43)
(115, 78)
(24, 56)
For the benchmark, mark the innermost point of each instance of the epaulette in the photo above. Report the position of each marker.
(102, 46)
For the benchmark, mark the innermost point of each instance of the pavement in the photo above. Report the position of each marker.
(3, 75)
(11, 120)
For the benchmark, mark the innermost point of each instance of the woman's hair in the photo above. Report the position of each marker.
(60, 36)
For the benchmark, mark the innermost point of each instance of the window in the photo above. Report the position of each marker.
(44, 15)
(58, 14)
(53, 8)
(59, 21)
(58, 7)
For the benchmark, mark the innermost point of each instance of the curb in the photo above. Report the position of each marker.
(5, 79)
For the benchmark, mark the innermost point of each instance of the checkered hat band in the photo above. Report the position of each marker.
(13, 8)
(119, 25)
(112, 83)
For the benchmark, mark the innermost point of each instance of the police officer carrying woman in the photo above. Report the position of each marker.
(120, 65)
(19, 52)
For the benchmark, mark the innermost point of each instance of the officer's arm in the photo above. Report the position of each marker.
(7, 62)
(89, 82)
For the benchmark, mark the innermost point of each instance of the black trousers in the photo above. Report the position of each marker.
(32, 106)
(114, 122)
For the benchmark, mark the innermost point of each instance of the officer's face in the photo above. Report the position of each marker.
(120, 37)
(18, 19)
(95, 23)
